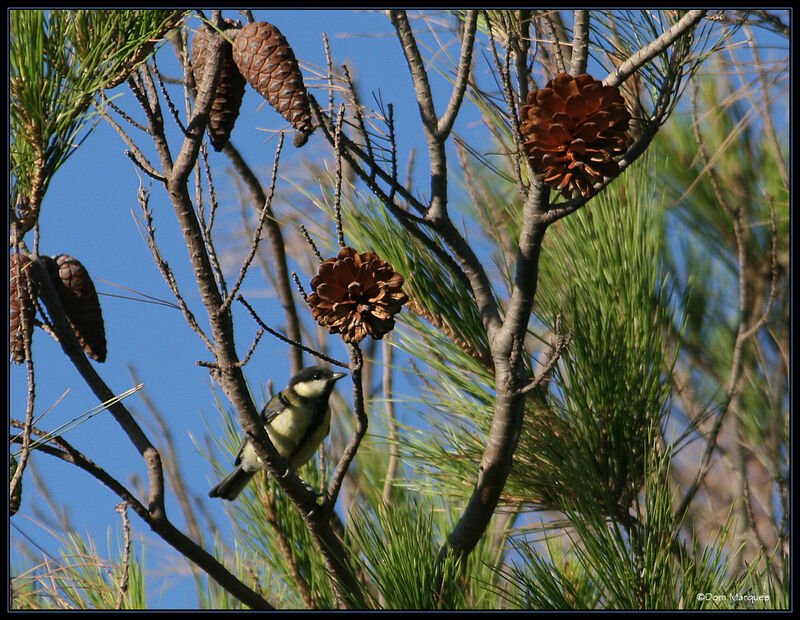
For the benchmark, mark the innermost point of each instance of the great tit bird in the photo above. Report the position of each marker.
(296, 420)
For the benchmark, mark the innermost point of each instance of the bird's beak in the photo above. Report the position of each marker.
(338, 375)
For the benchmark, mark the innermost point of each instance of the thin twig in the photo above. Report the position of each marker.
(356, 111)
(773, 281)
(266, 212)
(580, 42)
(148, 98)
(310, 242)
(252, 349)
(329, 63)
(651, 50)
(208, 225)
(388, 399)
(558, 348)
(769, 126)
(299, 285)
(172, 462)
(145, 166)
(337, 192)
(328, 127)
(134, 153)
(122, 509)
(280, 336)
(26, 330)
(553, 28)
(212, 194)
(160, 525)
(164, 268)
(504, 72)
(122, 113)
(743, 333)
(164, 93)
(279, 266)
(285, 547)
(393, 148)
(445, 124)
(356, 366)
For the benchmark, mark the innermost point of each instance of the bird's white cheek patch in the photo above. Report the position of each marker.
(311, 388)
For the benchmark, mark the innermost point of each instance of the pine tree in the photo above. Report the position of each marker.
(565, 320)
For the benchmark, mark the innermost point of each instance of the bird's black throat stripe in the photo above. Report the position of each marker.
(315, 422)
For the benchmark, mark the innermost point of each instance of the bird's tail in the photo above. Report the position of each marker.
(230, 487)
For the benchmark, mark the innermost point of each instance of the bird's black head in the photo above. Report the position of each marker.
(314, 381)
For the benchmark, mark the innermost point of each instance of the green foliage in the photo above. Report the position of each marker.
(745, 163)
(601, 275)
(399, 548)
(80, 578)
(727, 170)
(598, 563)
(59, 60)
(548, 575)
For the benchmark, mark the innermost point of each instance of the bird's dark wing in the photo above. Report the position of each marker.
(238, 458)
(270, 411)
(273, 408)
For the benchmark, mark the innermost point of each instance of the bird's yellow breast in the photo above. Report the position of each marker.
(290, 428)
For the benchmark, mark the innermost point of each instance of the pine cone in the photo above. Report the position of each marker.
(79, 298)
(573, 127)
(21, 295)
(16, 499)
(268, 63)
(230, 89)
(356, 294)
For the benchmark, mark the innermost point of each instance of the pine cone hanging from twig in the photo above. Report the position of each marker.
(79, 298)
(573, 128)
(356, 295)
(230, 90)
(267, 61)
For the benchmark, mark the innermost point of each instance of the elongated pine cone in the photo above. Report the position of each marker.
(265, 59)
(230, 89)
(356, 295)
(79, 298)
(573, 127)
(21, 295)
(16, 499)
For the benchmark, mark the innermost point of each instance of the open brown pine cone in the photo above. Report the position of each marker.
(356, 295)
(573, 128)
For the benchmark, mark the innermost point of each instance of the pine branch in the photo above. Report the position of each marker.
(654, 48)
(507, 347)
(157, 522)
(580, 42)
